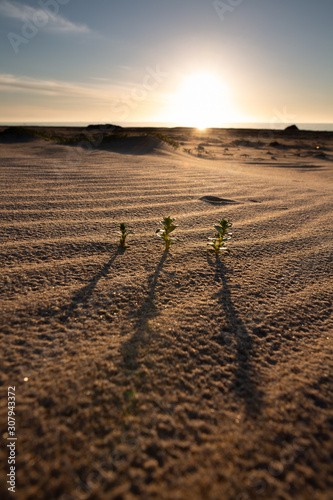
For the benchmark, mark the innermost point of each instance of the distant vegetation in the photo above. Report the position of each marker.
(103, 137)
(114, 137)
(166, 139)
(23, 132)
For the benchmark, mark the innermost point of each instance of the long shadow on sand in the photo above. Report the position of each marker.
(147, 311)
(82, 296)
(234, 333)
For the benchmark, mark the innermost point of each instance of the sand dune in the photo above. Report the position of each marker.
(180, 375)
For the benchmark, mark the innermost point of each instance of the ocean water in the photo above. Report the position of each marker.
(281, 126)
(256, 125)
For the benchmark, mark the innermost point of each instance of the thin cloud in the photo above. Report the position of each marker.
(123, 67)
(117, 97)
(47, 20)
(55, 88)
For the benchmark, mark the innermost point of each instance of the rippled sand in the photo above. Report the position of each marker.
(176, 375)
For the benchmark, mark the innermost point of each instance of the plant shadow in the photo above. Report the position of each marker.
(82, 296)
(147, 311)
(234, 333)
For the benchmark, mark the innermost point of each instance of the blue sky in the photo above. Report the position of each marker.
(190, 62)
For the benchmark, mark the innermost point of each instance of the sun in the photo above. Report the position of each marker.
(202, 101)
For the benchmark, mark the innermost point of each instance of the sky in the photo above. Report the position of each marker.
(182, 62)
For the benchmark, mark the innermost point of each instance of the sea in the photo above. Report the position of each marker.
(326, 127)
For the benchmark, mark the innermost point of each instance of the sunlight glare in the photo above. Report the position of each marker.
(202, 101)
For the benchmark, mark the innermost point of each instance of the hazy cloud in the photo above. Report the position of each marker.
(53, 87)
(41, 17)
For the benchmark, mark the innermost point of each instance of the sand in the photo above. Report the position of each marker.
(145, 374)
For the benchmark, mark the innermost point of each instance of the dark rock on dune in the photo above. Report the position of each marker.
(291, 128)
(106, 126)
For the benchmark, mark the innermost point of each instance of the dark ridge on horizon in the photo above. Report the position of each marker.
(303, 126)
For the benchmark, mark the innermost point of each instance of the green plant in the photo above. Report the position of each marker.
(124, 233)
(131, 399)
(164, 233)
(166, 139)
(221, 236)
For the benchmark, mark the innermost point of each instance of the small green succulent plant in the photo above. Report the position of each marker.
(221, 236)
(164, 233)
(123, 234)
